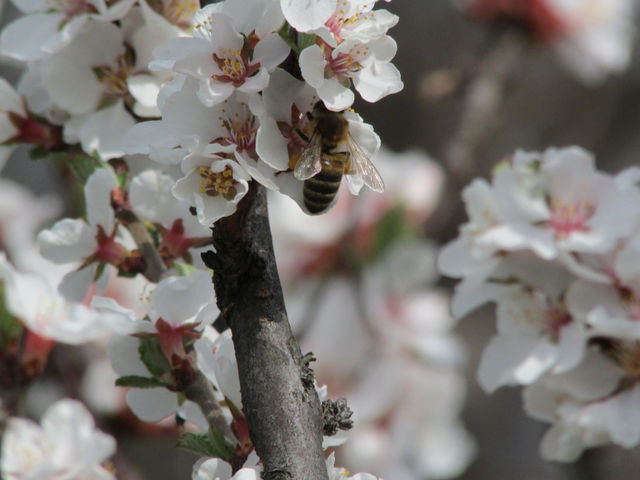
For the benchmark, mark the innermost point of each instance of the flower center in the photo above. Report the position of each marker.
(71, 8)
(240, 127)
(218, 183)
(556, 319)
(344, 64)
(567, 218)
(339, 20)
(114, 77)
(294, 132)
(109, 251)
(234, 65)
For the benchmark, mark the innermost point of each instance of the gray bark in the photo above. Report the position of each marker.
(281, 405)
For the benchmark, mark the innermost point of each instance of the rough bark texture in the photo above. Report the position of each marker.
(283, 412)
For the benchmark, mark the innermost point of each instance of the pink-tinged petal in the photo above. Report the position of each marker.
(196, 60)
(377, 81)
(152, 404)
(226, 369)
(259, 171)
(10, 101)
(85, 92)
(255, 83)
(248, 474)
(271, 146)
(164, 58)
(80, 443)
(117, 10)
(383, 49)
(312, 65)
(305, 15)
(97, 192)
(122, 351)
(140, 138)
(28, 47)
(145, 88)
(70, 30)
(211, 469)
(101, 131)
(213, 92)
(510, 361)
(271, 20)
(271, 51)
(67, 241)
(335, 96)
(178, 299)
(76, 283)
(5, 153)
(123, 321)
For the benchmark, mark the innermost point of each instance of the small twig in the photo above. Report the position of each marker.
(200, 391)
(154, 268)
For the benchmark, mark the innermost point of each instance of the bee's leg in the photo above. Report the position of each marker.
(347, 163)
(302, 135)
(309, 116)
(289, 169)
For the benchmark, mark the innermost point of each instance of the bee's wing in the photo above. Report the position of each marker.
(361, 170)
(309, 164)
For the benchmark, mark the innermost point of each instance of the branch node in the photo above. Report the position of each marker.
(336, 415)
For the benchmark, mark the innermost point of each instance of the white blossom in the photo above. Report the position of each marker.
(48, 27)
(66, 446)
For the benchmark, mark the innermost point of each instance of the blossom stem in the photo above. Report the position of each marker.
(155, 269)
(283, 412)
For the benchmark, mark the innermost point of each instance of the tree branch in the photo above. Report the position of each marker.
(283, 412)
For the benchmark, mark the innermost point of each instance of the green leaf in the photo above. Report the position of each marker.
(285, 34)
(184, 270)
(140, 382)
(211, 444)
(392, 227)
(10, 326)
(305, 40)
(224, 448)
(82, 166)
(122, 178)
(152, 356)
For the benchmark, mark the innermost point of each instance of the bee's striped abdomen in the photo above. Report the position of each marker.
(320, 190)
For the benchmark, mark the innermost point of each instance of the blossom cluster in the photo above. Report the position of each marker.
(554, 243)
(165, 114)
(592, 38)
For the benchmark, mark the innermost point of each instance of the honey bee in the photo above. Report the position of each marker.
(331, 152)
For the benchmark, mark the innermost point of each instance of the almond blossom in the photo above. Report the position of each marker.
(34, 300)
(66, 446)
(545, 245)
(366, 64)
(152, 201)
(220, 58)
(94, 243)
(17, 125)
(54, 25)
